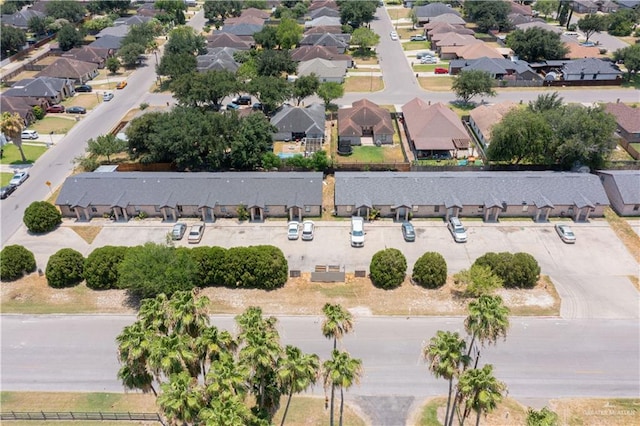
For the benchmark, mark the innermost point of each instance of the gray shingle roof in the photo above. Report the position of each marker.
(309, 119)
(434, 9)
(119, 31)
(628, 183)
(108, 42)
(469, 188)
(45, 87)
(21, 18)
(166, 189)
(590, 66)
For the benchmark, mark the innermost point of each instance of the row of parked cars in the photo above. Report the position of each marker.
(14, 183)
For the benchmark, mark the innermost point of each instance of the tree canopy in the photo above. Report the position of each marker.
(62, 9)
(471, 83)
(208, 88)
(329, 91)
(365, 39)
(536, 44)
(357, 12)
(216, 11)
(591, 24)
(488, 15)
(12, 39)
(69, 37)
(304, 87)
(180, 52)
(630, 57)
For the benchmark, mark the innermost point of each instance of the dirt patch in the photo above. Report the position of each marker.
(88, 233)
(328, 197)
(625, 232)
(437, 84)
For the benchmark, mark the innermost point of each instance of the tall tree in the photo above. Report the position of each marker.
(216, 11)
(62, 9)
(546, 102)
(106, 145)
(487, 321)
(208, 88)
(630, 57)
(489, 15)
(357, 12)
(446, 356)
(337, 322)
(546, 7)
(296, 372)
(12, 125)
(480, 391)
(341, 372)
(521, 135)
(472, 83)
(37, 25)
(364, 38)
(536, 44)
(69, 37)
(305, 86)
(270, 91)
(12, 39)
(329, 91)
(181, 398)
(591, 24)
(274, 63)
(267, 37)
(288, 33)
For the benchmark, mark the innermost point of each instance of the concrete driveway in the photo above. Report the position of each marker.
(591, 276)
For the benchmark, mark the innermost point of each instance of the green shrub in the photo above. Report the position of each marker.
(38, 112)
(65, 268)
(519, 270)
(388, 268)
(15, 261)
(262, 267)
(101, 267)
(149, 270)
(209, 265)
(482, 280)
(430, 270)
(41, 217)
(243, 213)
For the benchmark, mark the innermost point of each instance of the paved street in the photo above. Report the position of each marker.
(541, 358)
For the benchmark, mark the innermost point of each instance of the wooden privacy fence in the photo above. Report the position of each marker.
(80, 416)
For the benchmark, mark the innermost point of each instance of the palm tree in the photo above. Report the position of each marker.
(337, 322)
(487, 321)
(446, 355)
(297, 371)
(133, 354)
(11, 125)
(341, 371)
(181, 399)
(227, 379)
(480, 391)
(211, 344)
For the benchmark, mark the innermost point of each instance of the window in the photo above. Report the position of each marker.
(223, 209)
(307, 209)
(636, 207)
(348, 208)
(94, 210)
(416, 208)
(266, 209)
(525, 208)
(180, 209)
(157, 209)
(436, 209)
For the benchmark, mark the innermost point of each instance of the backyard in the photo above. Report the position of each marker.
(11, 154)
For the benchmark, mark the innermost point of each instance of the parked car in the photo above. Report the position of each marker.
(357, 231)
(408, 232)
(307, 230)
(566, 233)
(107, 96)
(122, 84)
(394, 35)
(457, 230)
(293, 230)
(5, 191)
(76, 110)
(418, 37)
(256, 106)
(233, 107)
(421, 55)
(178, 231)
(587, 44)
(18, 178)
(29, 134)
(83, 88)
(242, 100)
(55, 108)
(429, 60)
(195, 234)
(439, 70)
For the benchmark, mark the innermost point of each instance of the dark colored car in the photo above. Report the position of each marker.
(76, 110)
(55, 108)
(256, 106)
(408, 232)
(441, 71)
(242, 100)
(5, 191)
(84, 88)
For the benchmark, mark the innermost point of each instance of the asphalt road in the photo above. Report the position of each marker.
(542, 358)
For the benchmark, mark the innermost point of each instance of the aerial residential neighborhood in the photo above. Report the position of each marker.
(353, 212)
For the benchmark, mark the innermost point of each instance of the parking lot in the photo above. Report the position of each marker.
(591, 276)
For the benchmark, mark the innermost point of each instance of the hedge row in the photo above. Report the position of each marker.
(152, 269)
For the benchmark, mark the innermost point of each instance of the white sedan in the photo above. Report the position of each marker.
(18, 178)
(293, 230)
(566, 233)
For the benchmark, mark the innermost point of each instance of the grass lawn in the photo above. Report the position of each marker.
(12, 154)
(437, 84)
(363, 84)
(621, 154)
(398, 13)
(367, 154)
(304, 410)
(87, 100)
(58, 124)
(416, 45)
(5, 178)
(636, 146)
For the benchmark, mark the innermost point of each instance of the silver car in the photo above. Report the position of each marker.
(293, 230)
(195, 234)
(178, 231)
(307, 230)
(566, 233)
(457, 230)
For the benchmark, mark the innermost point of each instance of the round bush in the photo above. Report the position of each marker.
(65, 268)
(101, 267)
(262, 267)
(41, 217)
(209, 265)
(430, 270)
(388, 268)
(15, 261)
(525, 271)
